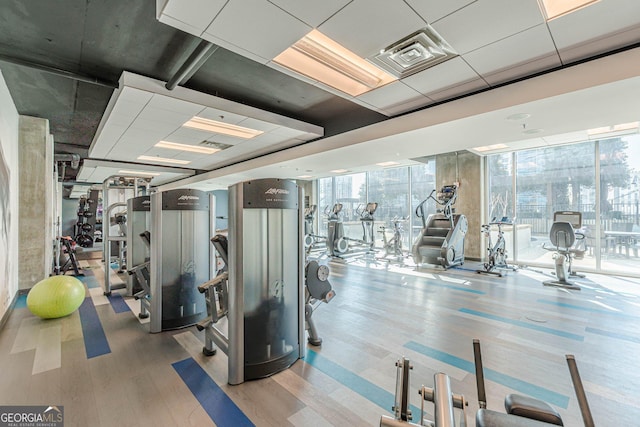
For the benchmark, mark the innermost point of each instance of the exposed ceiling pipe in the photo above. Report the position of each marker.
(73, 158)
(58, 72)
(198, 57)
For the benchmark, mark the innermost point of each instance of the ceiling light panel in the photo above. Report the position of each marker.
(228, 129)
(186, 147)
(321, 58)
(386, 164)
(555, 8)
(163, 160)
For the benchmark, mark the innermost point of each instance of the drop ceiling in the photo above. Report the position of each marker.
(65, 61)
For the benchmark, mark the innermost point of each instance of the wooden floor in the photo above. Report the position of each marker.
(380, 313)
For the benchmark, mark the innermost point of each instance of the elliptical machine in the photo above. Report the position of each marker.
(337, 244)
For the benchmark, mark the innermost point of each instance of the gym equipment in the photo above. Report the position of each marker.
(71, 262)
(181, 221)
(393, 247)
(564, 238)
(441, 240)
(117, 187)
(141, 288)
(264, 302)
(365, 212)
(521, 410)
(444, 401)
(317, 290)
(310, 239)
(139, 221)
(496, 254)
(336, 242)
(579, 389)
(56, 296)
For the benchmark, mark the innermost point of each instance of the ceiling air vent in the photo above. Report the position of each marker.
(414, 53)
(219, 145)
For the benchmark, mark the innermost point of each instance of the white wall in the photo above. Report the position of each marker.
(8, 198)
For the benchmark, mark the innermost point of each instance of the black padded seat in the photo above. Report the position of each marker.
(488, 418)
(529, 407)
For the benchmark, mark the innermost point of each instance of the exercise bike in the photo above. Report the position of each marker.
(393, 247)
(496, 253)
(567, 244)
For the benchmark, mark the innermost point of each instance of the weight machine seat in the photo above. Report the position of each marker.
(530, 407)
(489, 418)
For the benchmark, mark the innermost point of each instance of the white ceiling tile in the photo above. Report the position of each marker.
(153, 127)
(594, 21)
(313, 13)
(231, 140)
(458, 90)
(392, 94)
(431, 11)
(198, 14)
(520, 48)
(174, 105)
(182, 26)
(487, 21)
(408, 106)
(281, 133)
(169, 119)
(233, 48)
(257, 125)
(366, 26)
(524, 69)
(444, 75)
(257, 26)
(603, 44)
(221, 116)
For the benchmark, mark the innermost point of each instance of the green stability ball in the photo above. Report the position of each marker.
(56, 296)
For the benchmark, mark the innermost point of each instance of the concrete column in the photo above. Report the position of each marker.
(35, 242)
(466, 169)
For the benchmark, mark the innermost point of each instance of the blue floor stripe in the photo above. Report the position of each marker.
(582, 308)
(529, 389)
(522, 324)
(95, 340)
(89, 279)
(363, 387)
(118, 304)
(214, 401)
(21, 301)
(613, 335)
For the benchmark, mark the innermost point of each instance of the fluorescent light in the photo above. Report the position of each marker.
(185, 147)
(320, 58)
(385, 164)
(490, 147)
(141, 173)
(339, 171)
(305, 176)
(223, 128)
(555, 8)
(615, 130)
(164, 160)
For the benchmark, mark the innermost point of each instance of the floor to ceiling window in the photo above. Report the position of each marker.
(597, 178)
(397, 191)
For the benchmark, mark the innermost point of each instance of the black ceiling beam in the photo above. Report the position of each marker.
(58, 72)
